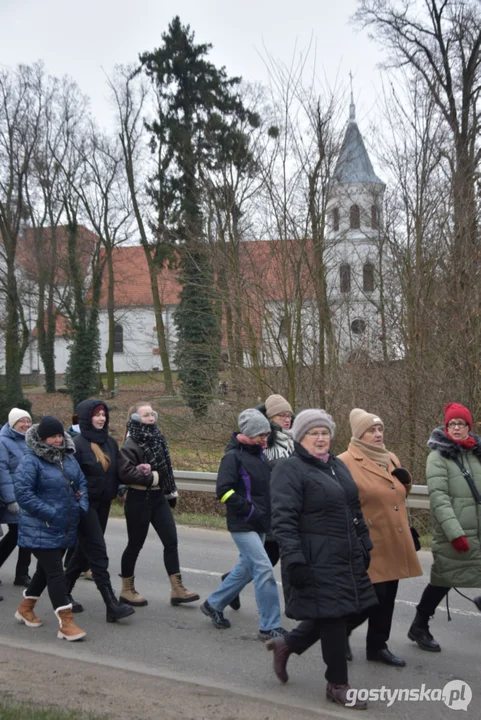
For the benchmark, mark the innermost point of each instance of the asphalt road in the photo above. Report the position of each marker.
(182, 644)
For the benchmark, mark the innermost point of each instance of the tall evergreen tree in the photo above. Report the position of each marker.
(196, 111)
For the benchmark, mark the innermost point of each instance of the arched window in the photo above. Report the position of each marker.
(335, 218)
(374, 218)
(355, 217)
(345, 278)
(368, 277)
(118, 339)
(282, 335)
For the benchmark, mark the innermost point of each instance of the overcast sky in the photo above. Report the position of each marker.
(86, 39)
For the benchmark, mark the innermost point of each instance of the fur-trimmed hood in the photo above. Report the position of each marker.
(449, 449)
(48, 452)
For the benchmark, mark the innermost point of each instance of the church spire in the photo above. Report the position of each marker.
(352, 107)
(353, 164)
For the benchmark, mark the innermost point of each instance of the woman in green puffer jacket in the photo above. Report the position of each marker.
(453, 473)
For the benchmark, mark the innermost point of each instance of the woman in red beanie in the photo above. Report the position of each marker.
(453, 473)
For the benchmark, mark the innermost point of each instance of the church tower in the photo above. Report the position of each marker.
(354, 225)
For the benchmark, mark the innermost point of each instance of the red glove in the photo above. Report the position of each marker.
(460, 544)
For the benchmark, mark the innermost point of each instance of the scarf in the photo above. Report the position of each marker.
(324, 458)
(282, 445)
(156, 453)
(379, 455)
(468, 443)
(244, 440)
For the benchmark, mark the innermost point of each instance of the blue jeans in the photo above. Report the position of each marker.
(255, 565)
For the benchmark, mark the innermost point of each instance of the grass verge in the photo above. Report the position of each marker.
(16, 711)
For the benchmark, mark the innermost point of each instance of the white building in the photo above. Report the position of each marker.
(353, 238)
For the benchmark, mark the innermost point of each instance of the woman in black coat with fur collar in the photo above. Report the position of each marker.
(324, 546)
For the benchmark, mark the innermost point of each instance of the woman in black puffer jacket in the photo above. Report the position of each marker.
(98, 455)
(243, 484)
(324, 546)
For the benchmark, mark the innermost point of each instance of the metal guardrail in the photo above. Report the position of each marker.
(205, 482)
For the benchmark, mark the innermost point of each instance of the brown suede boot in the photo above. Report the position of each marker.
(338, 694)
(179, 594)
(68, 629)
(279, 647)
(25, 613)
(129, 594)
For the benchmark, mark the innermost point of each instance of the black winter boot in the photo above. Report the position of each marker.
(419, 633)
(115, 609)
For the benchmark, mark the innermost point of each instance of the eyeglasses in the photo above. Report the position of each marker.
(285, 415)
(263, 435)
(453, 424)
(321, 434)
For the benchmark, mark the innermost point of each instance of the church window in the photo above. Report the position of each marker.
(118, 339)
(355, 217)
(345, 278)
(335, 218)
(374, 218)
(368, 277)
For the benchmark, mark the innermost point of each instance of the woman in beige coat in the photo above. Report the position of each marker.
(383, 504)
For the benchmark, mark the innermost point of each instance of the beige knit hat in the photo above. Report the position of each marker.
(361, 421)
(276, 404)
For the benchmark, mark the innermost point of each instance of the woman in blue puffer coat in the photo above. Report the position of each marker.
(52, 493)
(12, 450)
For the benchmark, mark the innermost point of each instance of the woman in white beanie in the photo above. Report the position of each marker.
(12, 450)
(324, 545)
(383, 487)
(243, 484)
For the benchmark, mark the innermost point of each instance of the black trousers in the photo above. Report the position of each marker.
(8, 544)
(430, 599)
(272, 550)
(333, 636)
(144, 508)
(90, 550)
(49, 574)
(379, 617)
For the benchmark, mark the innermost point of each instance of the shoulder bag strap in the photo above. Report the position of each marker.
(469, 480)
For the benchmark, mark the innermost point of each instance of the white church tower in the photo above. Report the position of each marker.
(354, 226)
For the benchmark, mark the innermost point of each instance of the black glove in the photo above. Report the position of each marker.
(172, 502)
(402, 475)
(299, 576)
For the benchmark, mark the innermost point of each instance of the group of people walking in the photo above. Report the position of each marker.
(338, 523)
(60, 490)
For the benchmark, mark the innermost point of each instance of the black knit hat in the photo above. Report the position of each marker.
(49, 426)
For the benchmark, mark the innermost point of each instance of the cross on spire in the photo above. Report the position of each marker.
(352, 107)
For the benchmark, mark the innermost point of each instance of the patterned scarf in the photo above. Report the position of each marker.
(156, 453)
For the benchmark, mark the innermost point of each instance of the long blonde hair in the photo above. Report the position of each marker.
(100, 456)
(133, 409)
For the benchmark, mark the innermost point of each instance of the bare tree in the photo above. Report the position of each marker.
(131, 96)
(20, 118)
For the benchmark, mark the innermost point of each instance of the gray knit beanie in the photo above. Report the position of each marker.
(308, 419)
(253, 423)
